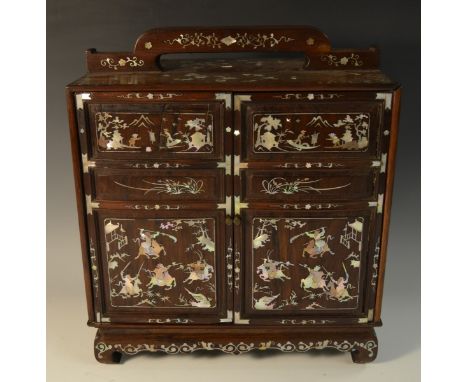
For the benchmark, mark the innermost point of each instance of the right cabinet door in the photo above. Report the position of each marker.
(306, 266)
(309, 188)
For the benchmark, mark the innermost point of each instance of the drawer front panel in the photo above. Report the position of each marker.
(156, 130)
(278, 130)
(301, 185)
(201, 185)
(305, 264)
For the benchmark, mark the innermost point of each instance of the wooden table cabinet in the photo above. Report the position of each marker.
(234, 203)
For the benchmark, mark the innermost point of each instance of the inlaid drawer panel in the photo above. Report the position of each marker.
(303, 130)
(159, 130)
(201, 185)
(299, 185)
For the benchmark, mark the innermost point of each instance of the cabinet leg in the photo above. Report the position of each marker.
(364, 353)
(105, 353)
(361, 355)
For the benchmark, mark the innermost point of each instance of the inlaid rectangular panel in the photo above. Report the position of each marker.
(160, 130)
(300, 264)
(201, 185)
(163, 266)
(307, 185)
(303, 130)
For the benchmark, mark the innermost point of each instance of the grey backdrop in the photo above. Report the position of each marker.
(74, 26)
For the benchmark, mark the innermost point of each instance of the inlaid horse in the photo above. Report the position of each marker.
(130, 286)
(317, 245)
(160, 277)
(149, 247)
(315, 280)
(199, 270)
(271, 269)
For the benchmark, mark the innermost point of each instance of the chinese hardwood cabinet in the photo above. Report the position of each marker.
(234, 203)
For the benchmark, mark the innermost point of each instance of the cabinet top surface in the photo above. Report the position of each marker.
(239, 74)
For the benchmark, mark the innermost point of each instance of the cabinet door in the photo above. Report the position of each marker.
(305, 266)
(156, 177)
(161, 267)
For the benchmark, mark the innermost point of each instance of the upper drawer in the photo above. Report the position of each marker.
(300, 128)
(132, 128)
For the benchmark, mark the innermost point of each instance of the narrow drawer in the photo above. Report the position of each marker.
(300, 185)
(201, 185)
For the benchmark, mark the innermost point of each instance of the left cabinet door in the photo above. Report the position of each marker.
(161, 266)
(157, 195)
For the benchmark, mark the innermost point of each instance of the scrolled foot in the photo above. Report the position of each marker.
(364, 354)
(105, 354)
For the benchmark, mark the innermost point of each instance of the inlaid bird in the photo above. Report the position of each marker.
(201, 301)
(265, 302)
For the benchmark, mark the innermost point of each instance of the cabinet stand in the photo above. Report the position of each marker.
(111, 344)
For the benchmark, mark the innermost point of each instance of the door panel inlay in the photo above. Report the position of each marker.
(160, 263)
(306, 263)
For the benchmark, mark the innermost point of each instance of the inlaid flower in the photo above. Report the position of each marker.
(122, 62)
(148, 45)
(344, 60)
(271, 122)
